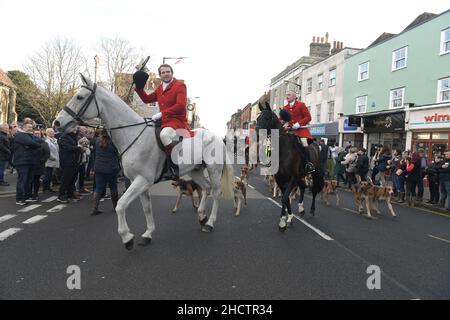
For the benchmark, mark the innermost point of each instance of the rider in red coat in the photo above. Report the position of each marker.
(172, 100)
(299, 118)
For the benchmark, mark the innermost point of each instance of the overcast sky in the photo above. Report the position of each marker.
(234, 47)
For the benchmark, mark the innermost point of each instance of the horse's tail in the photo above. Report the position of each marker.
(227, 181)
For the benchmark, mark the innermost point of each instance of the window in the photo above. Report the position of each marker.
(320, 82)
(330, 111)
(444, 90)
(318, 110)
(363, 71)
(399, 58)
(309, 85)
(361, 104)
(445, 41)
(332, 77)
(396, 98)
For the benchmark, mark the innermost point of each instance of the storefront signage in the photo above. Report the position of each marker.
(393, 122)
(327, 129)
(430, 118)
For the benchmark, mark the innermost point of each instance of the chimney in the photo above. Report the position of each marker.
(320, 47)
(337, 46)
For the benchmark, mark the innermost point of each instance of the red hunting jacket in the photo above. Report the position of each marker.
(299, 113)
(172, 103)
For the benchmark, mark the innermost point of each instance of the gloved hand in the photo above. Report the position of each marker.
(296, 126)
(157, 116)
(140, 79)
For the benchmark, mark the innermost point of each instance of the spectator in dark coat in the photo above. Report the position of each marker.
(432, 175)
(41, 156)
(444, 178)
(24, 161)
(106, 168)
(362, 165)
(5, 153)
(413, 174)
(69, 155)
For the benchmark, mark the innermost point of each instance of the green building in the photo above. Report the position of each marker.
(394, 87)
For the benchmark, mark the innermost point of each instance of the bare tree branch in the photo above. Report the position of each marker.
(116, 56)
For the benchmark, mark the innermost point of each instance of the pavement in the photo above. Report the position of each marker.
(246, 257)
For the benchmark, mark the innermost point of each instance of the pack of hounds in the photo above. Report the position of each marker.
(363, 192)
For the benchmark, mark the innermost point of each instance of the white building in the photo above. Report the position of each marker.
(322, 92)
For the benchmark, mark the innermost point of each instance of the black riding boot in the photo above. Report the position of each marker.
(172, 172)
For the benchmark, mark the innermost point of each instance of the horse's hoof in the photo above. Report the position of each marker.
(207, 228)
(203, 221)
(130, 244)
(313, 212)
(302, 213)
(145, 242)
(282, 229)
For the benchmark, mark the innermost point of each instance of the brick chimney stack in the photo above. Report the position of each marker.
(320, 47)
(337, 46)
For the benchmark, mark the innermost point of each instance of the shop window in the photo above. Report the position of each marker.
(421, 136)
(439, 136)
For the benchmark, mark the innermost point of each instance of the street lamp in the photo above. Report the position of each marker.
(171, 58)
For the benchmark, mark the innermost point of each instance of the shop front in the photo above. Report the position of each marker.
(430, 129)
(350, 131)
(387, 129)
(327, 131)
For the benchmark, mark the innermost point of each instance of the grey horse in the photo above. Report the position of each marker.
(142, 159)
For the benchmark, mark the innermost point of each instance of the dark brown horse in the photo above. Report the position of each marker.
(292, 160)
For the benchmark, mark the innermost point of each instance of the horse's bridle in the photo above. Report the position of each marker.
(77, 116)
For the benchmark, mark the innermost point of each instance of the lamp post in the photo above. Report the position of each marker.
(172, 58)
(96, 59)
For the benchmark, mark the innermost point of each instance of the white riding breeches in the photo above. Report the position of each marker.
(167, 135)
(304, 141)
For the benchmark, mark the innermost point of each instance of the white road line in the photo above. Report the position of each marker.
(351, 210)
(50, 199)
(34, 219)
(29, 208)
(9, 232)
(251, 186)
(7, 217)
(320, 233)
(57, 208)
(437, 238)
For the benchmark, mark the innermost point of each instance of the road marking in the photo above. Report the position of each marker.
(445, 240)
(351, 210)
(34, 219)
(29, 208)
(9, 232)
(57, 208)
(320, 233)
(251, 186)
(7, 217)
(50, 199)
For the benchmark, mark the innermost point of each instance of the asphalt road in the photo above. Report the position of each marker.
(245, 257)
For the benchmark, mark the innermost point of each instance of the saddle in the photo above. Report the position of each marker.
(167, 169)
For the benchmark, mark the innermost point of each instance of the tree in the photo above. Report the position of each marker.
(117, 56)
(55, 69)
(28, 95)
